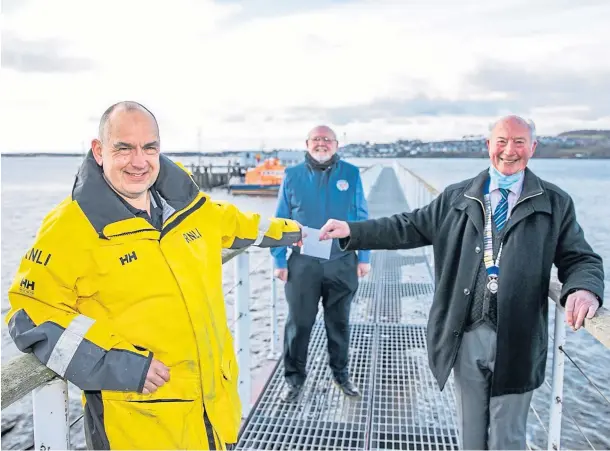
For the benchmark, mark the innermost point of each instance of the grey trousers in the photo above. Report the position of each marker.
(486, 422)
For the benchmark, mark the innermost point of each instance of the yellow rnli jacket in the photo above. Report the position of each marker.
(101, 292)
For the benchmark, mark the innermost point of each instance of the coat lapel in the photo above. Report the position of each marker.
(533, 199)
(472, 201)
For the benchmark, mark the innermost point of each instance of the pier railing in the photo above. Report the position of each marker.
(418, 193)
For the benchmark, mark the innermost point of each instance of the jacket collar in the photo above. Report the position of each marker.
(532, 186)
(533, 197)
(101, 204)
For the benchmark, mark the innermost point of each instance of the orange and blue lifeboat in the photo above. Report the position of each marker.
(262, 180)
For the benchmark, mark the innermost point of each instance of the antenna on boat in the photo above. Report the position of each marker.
(199, 144)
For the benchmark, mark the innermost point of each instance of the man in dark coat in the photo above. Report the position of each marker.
(495, 238)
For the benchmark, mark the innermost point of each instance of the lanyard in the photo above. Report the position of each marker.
(492, 267)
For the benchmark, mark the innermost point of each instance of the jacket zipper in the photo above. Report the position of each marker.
(132, 232)
(164, 232)
(480, 203)
(518, 202)
(181, 216)
(528, 197)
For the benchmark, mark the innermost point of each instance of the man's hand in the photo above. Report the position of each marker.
(579, 305)
(158, 374)
(334, 229)
(282, 274)
(363, 269)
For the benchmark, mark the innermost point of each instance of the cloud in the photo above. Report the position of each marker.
(528, 90)
(263, 9)
(254, 70)
(11, 6)
(392, 109)
(493, 89)
(236, 118)
(39, 56)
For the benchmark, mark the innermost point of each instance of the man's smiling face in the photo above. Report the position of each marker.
(511, 145)
(129, 153)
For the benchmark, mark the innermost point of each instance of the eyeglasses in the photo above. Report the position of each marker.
(322, 138)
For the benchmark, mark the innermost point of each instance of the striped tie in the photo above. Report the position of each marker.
(501, 213)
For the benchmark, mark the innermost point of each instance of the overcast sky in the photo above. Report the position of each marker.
(263, 72)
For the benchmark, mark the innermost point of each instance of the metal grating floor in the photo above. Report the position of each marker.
(322, 418)
(401, 406)
(408, 410)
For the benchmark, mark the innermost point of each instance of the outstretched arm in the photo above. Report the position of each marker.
(240, 229)
(400, 231)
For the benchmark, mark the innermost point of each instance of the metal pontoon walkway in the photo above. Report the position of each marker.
(401, 405)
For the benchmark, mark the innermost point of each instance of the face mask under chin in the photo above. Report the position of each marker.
(321, 158)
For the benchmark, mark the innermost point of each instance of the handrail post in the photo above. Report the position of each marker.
(242, 330)
(275, 339)
(50, 409)
(556, 406)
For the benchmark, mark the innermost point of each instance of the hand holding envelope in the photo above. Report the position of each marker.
(312, 245)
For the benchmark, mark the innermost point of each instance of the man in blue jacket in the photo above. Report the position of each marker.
(320, 188)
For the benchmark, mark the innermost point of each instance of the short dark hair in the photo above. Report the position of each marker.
(127, 105)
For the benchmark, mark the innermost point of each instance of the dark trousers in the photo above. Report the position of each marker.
(309, 279)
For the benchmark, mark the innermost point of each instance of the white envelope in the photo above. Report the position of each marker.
(312, 245)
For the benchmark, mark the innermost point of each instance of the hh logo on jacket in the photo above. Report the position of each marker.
(27, 287)
(128, 258)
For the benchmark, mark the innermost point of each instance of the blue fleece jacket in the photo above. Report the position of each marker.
(312, 196)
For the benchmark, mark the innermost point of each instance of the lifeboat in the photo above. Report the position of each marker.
(262, 180)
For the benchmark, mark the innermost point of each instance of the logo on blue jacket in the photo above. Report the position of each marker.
(342, 185)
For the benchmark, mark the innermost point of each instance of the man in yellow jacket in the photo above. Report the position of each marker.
(121, 294)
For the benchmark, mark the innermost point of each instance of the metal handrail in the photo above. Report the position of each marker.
(429, 187)
(598, 326)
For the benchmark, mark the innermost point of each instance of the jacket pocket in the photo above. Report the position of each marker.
(177, 389)
(228, 366)
(170, 418)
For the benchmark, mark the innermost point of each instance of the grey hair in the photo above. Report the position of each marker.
(527, 122)
(126, 105)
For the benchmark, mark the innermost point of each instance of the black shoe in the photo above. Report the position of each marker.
(348, 388)
(291, 392)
